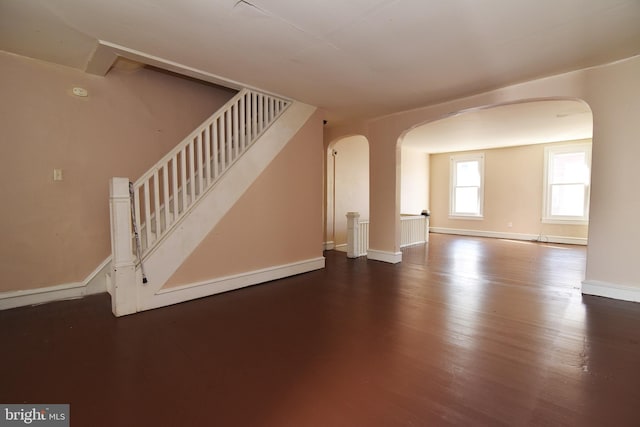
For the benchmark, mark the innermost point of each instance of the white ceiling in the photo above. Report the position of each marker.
(354, 58)
(509, 125)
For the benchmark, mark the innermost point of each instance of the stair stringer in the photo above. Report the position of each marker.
(175, 248)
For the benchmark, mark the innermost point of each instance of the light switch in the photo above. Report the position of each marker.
(57, 174)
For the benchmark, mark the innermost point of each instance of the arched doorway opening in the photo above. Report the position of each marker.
(532, 161)
(347, 183)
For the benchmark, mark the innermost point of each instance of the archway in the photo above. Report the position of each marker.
(347, 186)
(514, 142)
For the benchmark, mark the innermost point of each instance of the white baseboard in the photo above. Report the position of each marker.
(511, 236)
(611, 290)
(329, 246)
(341, 247)
(390, 257)
(27, 297)
(206, 288)
(406, 245)
(564, 240)
(95, 283)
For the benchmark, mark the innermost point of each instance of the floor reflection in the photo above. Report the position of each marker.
(465, 331)
(499, 295)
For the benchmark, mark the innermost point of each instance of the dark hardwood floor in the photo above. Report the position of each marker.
(466, 331)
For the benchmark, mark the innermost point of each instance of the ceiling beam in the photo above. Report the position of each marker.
(101, 60)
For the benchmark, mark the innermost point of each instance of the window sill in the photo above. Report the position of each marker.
(472, 217)
(560, 221)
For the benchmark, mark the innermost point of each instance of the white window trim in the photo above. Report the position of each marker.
(452, 186)
(547, 218)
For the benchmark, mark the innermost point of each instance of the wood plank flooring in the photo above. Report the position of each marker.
(465, 331)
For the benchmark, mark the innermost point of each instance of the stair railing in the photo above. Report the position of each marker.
(166, 193)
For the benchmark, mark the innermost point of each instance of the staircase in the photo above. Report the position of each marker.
(183, 196)
(166, 193)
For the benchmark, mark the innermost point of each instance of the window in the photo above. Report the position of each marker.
(467, 176)
(566, 189)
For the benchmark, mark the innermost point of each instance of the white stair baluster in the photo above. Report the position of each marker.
(183, 179)
(165, 195)
(254, 115)
(174, 186)
(147, 213)
(216, 148)
(156, 203)
(199, 167)
(228, 139)
(243, 125)
(192, 173)
(207, 155)
(236, 133)
(223, 143)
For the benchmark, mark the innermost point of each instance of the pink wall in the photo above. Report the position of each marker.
(277, 221)
(58, 232)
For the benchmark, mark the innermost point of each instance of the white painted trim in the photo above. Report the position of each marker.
(328, 246)
(96, 282)
(26, 297)
(390, 257)
(342, 247)
(611, 290)
(511, 236)
(205, 288)
(550, 151)
(562, 239)
(453, 178)
(465, 217)
(406, 245)
(166, 64)
(101, 60)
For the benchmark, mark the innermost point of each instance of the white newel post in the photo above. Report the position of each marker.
(123, 273)
(426, 229)
(425, 213)
(353, 234)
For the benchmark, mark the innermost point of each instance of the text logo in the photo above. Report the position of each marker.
(34, 415)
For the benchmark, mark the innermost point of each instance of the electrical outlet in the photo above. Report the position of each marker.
(509, 224)
(57, 174)
(79, 91)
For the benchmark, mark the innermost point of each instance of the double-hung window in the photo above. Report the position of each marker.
(567, 184)
(467, 186)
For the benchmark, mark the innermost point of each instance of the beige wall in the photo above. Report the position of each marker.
(276, 222)
(351, 183)
(612, 92)
(58, 232)
(513, 193)
(414, 181)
